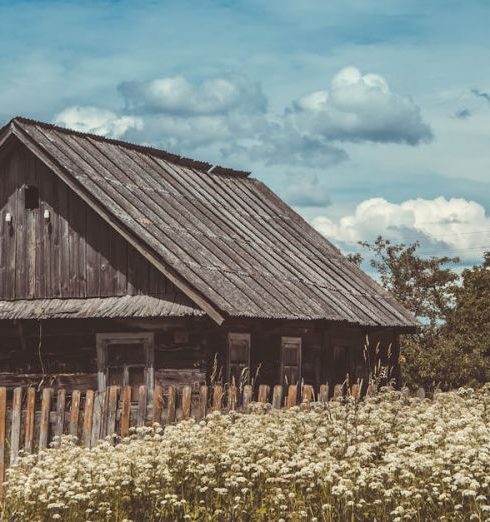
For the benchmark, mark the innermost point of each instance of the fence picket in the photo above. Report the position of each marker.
(292, 397)
(157, 404)
(15, 425)
(277, 397)
(112, 410)
(97, 432)
(3, 424)
(142, 403)
(232, 397)
(323, 394)
(217, 397)
(171, 405)
(186, 402)
(44, 423)
(263, 395)
(88, 415)
(60, 412)
(203, 401)
(125, 411)
(338, 391)
(247, 396)
(74, 413)
(30, 420)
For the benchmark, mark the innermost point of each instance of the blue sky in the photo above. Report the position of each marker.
(367, 116)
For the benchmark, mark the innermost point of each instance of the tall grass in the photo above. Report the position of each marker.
(389, 457)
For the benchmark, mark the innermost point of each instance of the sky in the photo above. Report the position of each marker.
(368, 117)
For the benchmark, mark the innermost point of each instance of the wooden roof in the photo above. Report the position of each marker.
(228, 242)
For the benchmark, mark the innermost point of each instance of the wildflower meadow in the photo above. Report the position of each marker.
(388, 457)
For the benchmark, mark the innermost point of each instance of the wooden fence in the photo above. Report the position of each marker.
(30, 419)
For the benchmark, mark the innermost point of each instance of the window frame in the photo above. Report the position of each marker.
(103, 343)
(287, 340)
(237, 336)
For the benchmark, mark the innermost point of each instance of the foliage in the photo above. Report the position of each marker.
(389, 457)
(452, 347)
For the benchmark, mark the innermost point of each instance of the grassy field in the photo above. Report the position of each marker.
(386, 458)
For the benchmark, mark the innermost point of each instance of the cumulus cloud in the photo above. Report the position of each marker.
(177, 96)
(230, 115)
(456, 226)
(97, 121)
(359, 108)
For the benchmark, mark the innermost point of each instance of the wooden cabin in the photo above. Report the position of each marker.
(122, 264)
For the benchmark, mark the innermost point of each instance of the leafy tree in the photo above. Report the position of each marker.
(452, 346)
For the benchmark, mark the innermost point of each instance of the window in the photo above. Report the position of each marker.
(238, 356)
(31, 197)
(125, 360)
(290, 360)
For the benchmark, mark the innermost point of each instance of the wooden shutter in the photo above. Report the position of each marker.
(238, 355)
(290, 360)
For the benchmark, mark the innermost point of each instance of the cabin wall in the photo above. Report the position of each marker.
(74, 253)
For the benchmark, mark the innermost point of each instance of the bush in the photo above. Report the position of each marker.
(387, 458)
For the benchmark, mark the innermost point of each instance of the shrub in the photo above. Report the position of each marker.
(389, 457)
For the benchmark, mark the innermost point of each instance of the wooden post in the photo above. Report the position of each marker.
(217, 397)
(186, 402)
(292, 397)
(232, 397)
(203, 401)
(247, 396)
(355, 391)
(3, 423)
(171, 405)
(142, 402)
(74, 413)
(277, 397)
(97, 424)
(88, 414)
(323, 395)
(60, 412)
(126, 411)
(44, 423)
(15, 425)
(157, 405)
(308, 396)
(30, 419)
(112, 410)
(263, 395)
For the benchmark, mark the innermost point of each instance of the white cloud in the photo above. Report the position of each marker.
(97, 121)
(456, 226)
(359, 108)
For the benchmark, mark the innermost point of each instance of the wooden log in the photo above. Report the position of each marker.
(112, 410)
(157, 405)
(88, 415)
(338, 391)
(125, 411)
(232, 397)
(15, 425)
(277, 397)
(171, 408)
(292, 397)
(60, 412)
(142, 403)
(3, 425)
(263, 395)
(30, 420)
(203, 401)
(247, 396)
(186, 402)
(74, 413)
(44, 421)
(323, 394)
(217, 397)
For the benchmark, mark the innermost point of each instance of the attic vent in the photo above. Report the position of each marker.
(31, 197)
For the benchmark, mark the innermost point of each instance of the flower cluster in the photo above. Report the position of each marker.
(389, 457)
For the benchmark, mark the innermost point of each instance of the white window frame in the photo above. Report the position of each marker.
(287, 340)
(103, 343)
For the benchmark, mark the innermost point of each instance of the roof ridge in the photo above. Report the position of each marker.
(202, 166)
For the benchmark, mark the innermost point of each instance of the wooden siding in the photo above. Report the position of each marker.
(75, 254)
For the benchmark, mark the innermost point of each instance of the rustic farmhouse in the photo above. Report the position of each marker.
(122, 264)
